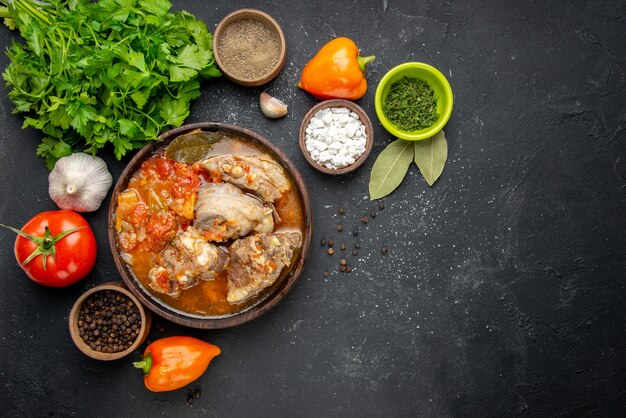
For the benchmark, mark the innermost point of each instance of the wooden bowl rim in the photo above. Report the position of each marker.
(263, 305)
(249, 13)
(146, 322)
(365, 120)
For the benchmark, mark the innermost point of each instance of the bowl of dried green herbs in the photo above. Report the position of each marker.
(413, 101)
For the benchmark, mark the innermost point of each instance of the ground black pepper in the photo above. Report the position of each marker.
(109, 321)
(249, 49)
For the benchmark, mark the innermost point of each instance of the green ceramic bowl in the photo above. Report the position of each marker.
(437, 82)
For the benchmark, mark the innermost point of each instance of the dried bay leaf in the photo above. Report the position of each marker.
(430, 156)
(193, 146)
(390, 168)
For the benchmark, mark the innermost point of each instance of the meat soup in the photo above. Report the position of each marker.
(211, 238)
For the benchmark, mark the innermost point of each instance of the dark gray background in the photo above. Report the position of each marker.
(502, 293)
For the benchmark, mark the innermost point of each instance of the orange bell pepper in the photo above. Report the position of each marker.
(336, 72)
(174, 362)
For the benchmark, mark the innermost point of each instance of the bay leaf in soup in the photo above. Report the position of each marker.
(390, 168)
(430, 156)
(193, 146)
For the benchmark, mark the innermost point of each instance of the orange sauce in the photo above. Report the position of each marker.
(206, 298)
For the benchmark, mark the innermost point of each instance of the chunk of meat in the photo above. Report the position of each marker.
(187, 258)
(257, 261)
(259, 174)
(224, 211)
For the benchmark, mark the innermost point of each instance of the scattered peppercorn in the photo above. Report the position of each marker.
(339, 227)
(348, 269)
(190, 398)
(331, 242)
(323, 242)
(357, 245)
(381, 206)
(342, 268)
(342, 211)
(364, 219)
(383, 249)
(355, 232)
(342, 246)
(331, 251)
(372, 215)
(326, 274)
(343, 262)
(109, 321)
(355, 252)
(197, 393)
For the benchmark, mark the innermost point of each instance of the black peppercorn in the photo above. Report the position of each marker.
(105, 319)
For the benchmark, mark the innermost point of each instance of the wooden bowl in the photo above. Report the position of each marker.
(146, 322)
(278, 290)
(365, 120)
(270, 23)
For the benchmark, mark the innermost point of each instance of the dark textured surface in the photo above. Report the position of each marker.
(502, 293)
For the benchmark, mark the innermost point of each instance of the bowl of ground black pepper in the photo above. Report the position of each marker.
(249, 47)
(413, 101)
(107, 322)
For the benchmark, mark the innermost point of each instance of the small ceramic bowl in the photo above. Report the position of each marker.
(270, 23)
(437, 82)
(146, 322)
(365, 120)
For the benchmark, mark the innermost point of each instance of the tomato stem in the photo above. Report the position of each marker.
(45, 244)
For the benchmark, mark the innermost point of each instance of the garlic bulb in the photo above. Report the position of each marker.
(272, 107)
(79, 182)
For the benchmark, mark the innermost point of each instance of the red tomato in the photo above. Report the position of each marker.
(62, 258)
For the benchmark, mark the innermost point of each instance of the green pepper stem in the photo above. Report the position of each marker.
(145, 364)
(363, 61)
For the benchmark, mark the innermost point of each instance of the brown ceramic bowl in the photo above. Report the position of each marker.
(365, 120)
(270, 23)
(146, 322)
(275, 293)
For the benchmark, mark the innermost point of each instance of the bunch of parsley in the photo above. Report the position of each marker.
(108, 72)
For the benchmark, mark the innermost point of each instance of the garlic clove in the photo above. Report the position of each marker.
(272, 107)
(79, 182)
